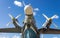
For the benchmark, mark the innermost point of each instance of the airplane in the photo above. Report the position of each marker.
(29, 30)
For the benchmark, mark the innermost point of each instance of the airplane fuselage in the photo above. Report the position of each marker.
(29, 29)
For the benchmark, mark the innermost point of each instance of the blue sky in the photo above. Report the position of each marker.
(48, 7)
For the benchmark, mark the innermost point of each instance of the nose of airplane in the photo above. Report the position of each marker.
(28, 10)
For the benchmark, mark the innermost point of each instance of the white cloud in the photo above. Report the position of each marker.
(34, 13)
(15, 36)
(3, 37)
(18, 3)
(36, 9)
(9, 7)
(55, 37)
(42, 36)
(3, 33)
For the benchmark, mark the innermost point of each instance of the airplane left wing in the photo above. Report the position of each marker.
(10, 30)
(49, 31)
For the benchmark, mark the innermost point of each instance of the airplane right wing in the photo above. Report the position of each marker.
(49, 31)
(10, 30)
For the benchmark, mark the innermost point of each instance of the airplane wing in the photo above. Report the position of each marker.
(49, 31)
(10, 30)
